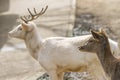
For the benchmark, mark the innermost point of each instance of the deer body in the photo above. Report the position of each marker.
(99, 43)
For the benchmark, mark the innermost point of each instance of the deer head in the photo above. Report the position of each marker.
(26, 27)
(96, 42)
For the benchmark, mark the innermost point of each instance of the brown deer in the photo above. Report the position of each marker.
(99, 44)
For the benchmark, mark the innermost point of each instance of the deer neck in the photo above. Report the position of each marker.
(33, 42)
(107, 59)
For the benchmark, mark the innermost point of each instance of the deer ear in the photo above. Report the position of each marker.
(103, 32)
(24, 26)
(95, 35)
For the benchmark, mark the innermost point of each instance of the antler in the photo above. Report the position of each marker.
(33, 16)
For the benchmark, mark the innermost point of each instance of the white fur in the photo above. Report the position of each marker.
(114, 47)
(60, 54)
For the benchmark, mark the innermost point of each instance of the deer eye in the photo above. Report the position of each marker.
(19, 28)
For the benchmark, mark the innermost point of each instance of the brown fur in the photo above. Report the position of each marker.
(99, 43)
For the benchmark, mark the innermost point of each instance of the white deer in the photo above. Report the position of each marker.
(57, 54)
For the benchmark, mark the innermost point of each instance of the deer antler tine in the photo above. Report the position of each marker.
(30, 12)
(23, 19)
(35, 11)
(45, 9)
(41, 11)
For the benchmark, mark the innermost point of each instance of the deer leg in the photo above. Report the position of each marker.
(53, 75)
(60, 75)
